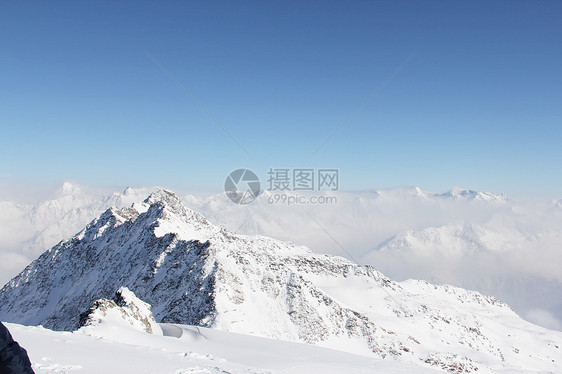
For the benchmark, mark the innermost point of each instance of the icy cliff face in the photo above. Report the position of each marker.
(193, 272)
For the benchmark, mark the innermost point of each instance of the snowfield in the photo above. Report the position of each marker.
(187, 349)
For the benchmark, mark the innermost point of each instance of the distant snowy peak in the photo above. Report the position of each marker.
(397, 194)
(451, 239)
(456, 193)
(68, 188)
(402, 193)
(455, 239)
(557, 204)
(129, 191)
(466, 194)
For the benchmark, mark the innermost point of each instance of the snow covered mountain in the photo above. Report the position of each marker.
(519, 266)
(466, 194)
(456, 193)
(193, 272)
(493, 258)
(28, 229)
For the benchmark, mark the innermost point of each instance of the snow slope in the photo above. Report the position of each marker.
(195, 350)
(193, 272)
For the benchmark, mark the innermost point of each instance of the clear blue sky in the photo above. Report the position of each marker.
(478, 104)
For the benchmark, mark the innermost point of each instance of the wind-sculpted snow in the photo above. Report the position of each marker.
(125, 309)
(192, 272)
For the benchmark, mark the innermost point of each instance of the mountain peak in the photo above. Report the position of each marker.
(163, 196)
(129, 191)
(69, 188)
(172, 217)
(468, 194)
